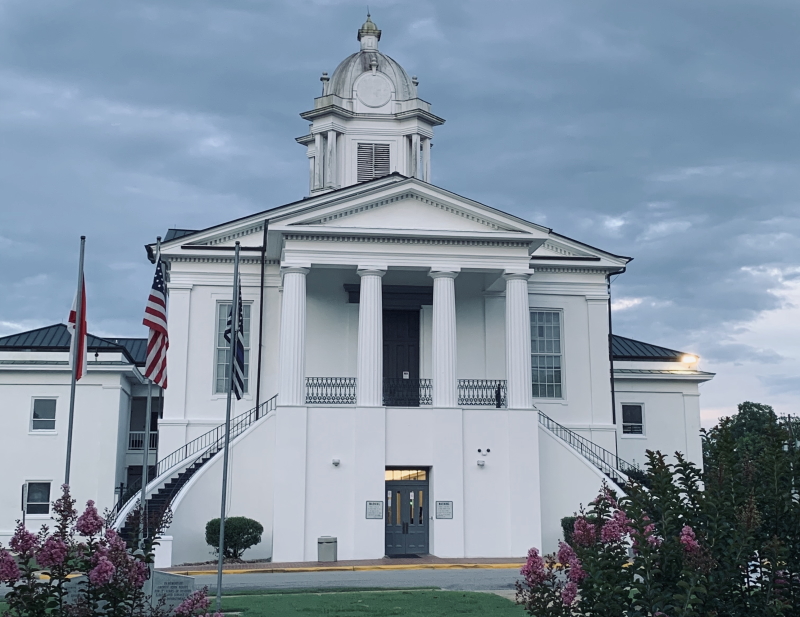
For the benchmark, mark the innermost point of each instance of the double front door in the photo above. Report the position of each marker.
(401, 385)
(407, 517)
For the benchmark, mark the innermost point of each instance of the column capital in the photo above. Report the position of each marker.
(449, 272)
(295, 269)
(517, 274)
(371, 270)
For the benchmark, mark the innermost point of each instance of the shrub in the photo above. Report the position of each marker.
(241, 533)
(724, 540)
(36, 568)
(567, 525)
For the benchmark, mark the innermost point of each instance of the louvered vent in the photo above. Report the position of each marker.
(373, 161)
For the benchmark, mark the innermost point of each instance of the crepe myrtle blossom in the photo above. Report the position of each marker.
(569, 593)
(533, 570)
(566, 556)
(52, 553)
(197, 601)
(102, 573)
(23, 542)
(584, 533)
(689, 540)
(89, 523)
(615, 528)
(9, 571)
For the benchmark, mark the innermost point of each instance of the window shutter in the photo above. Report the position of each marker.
(373, 161)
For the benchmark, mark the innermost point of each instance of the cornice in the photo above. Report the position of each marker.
(319, 237)
(218, 259)
(346, 113)
(574, 269)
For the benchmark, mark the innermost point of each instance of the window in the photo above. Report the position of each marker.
(632, 423)
(546, 354)
(44, 414)
(373, 161)
(37, 498)
(222, 356)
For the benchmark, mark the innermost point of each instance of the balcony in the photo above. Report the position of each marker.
(405, 392)
(136, 441)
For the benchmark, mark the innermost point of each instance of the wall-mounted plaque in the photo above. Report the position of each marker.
(444, 509)
(374, 509)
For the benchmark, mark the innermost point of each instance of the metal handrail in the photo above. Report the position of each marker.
(208, 443)
(330, 390)
(606, 461)
(482, 392)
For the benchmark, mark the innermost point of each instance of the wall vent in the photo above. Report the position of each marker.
(373, 161)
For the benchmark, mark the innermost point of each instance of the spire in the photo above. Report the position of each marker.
(369, 34)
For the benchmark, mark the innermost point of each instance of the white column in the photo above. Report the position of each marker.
(426, 160)
(518, 340)
(318, 161)
(415, 166)
(369, 372)
(444, 360)
(293, 338)
(330, 160)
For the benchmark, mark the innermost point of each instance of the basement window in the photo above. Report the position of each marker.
(373, 161)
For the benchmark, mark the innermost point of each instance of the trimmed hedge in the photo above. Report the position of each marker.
(241, 533)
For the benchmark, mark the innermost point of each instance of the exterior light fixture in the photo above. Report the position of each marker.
(689, 358)
(335, 462)
(481, 463)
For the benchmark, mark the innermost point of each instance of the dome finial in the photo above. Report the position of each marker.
(369, 34)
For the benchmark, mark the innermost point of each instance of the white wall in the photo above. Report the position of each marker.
(671, 414)
(249, 494)
(29, 456)
(563, 468)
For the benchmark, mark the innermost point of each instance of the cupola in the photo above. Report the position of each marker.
(369, 121)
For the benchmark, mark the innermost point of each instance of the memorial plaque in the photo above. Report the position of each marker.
(73, 587)
(374, 509)
(444, 509)
(174, 588)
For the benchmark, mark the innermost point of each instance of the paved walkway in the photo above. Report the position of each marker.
(426, 562)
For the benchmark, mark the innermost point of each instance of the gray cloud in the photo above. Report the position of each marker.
(662, 131)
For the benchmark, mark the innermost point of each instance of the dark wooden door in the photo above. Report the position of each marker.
(401, 358)
(406, 518)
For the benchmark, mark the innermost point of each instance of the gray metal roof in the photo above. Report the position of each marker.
(178, 233)
(623, 348)
(57, 338)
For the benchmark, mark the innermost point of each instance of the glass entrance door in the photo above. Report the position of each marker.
(406, 512)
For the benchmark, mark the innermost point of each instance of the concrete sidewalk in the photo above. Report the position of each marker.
(426, 562)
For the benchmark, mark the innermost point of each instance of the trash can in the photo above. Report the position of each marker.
(326, 548)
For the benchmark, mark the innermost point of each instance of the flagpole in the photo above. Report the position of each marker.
(76, 347)
(233, 345)
(146, 445)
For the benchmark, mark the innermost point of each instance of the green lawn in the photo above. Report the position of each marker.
(368, 603)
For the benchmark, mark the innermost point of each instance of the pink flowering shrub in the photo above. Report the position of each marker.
(549, 585)
(37, 567)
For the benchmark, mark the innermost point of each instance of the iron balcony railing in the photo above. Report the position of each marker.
(330, 390)
(136, 440)
(607, 462)
(208, 443)
(482, 392)
(407, 392)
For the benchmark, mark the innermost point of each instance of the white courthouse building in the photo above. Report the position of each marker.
(426, 374)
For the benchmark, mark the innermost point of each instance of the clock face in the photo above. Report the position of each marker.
(374, 90)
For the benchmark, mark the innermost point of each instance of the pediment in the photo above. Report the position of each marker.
(410, 209)
(552, 248)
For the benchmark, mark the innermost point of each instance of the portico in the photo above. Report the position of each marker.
(426, 371)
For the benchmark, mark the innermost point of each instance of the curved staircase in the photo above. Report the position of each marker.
(616, 469)
(175, 470)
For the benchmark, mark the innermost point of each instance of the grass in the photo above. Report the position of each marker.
(419, 603)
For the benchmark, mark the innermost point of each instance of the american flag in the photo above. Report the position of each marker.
(77, 345)
(238, 357)
(155, 318)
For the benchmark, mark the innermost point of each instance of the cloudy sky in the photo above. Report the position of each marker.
(664, 131)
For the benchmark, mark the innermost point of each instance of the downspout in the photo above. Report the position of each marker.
(611, 362)
(261, 317)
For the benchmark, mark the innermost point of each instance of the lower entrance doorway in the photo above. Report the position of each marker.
(406, 512)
